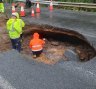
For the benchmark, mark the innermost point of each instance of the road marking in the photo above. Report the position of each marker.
(5, 84)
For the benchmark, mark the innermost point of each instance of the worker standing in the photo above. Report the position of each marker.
(1, 7)
(14, 27)
(36, 45)
(28, 4)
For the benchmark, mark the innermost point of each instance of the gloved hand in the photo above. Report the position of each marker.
(44, 39)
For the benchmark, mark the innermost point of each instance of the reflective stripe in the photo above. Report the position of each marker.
(37, 50)
(12, 28)
(20, 23)
(36, 46)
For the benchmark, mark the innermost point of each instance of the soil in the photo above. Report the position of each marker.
(51, 53)
(4, 38)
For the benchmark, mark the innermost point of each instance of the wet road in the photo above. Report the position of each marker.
(17, 72)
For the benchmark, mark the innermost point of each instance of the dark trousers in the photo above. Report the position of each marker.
(16, 44)
(37, 53)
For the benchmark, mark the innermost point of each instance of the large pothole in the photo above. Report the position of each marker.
(58, 40)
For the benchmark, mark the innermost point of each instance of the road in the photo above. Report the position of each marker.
(21, 73)
(17, 72)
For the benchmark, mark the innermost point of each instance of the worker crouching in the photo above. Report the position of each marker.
(36, 45)
(14, 27)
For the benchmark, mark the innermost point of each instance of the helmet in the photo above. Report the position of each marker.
(15, 14)
(35, 35)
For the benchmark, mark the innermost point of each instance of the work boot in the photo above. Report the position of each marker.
(34, 56)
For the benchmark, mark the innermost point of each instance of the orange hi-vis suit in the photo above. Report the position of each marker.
(36, 44)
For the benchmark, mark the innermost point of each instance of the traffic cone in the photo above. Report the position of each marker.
(32, 13)
(22, 12)
(13, 8)
(51, 6)
(37, 8)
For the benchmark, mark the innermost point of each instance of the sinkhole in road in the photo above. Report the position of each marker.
(58, 41)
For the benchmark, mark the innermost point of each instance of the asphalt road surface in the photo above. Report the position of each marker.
(17, 72)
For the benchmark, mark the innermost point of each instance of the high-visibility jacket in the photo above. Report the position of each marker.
(1, 7)
(14, 27)
(36, 44)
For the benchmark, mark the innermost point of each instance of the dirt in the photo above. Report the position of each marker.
(4, 38)
(57, 42)
(51, 53)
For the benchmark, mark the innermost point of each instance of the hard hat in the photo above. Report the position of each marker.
(35, 35)
(15, 14)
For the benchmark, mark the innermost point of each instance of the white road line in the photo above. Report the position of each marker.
(5, 84)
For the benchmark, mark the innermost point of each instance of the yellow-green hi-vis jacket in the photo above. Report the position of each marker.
(2, 7)
(14, 27)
